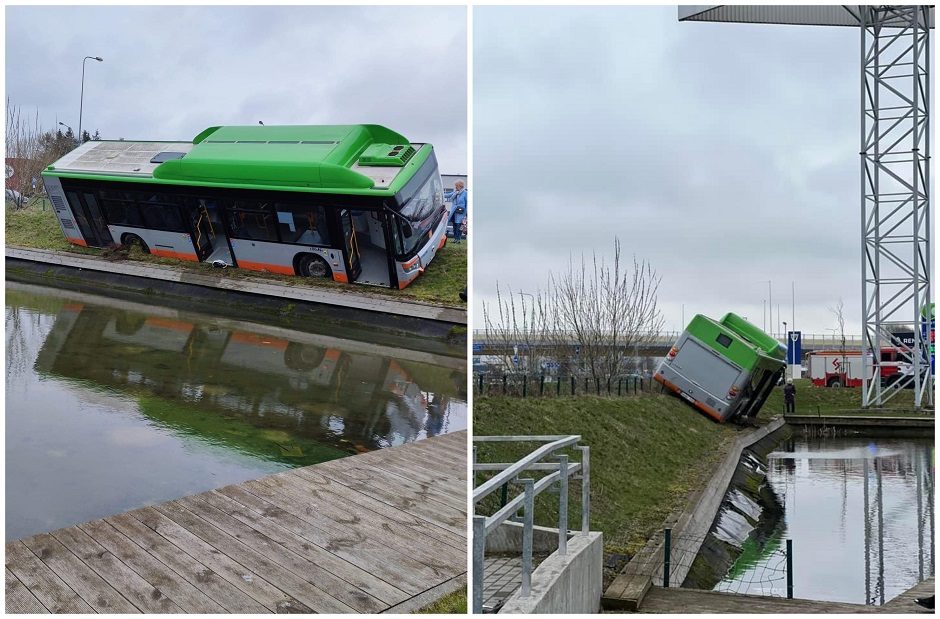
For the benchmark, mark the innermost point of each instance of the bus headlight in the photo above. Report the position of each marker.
(412, 265)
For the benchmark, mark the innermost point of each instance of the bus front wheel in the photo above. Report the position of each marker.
(132, 239)
(311, 265)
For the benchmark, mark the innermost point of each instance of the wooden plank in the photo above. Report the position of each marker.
(188, 597)
(18, 599)
(241, 576)
(51, 591)
(358, 550)
(314, 598)
(330, 500)
(342, 568)
(446, 483)
(396, 567)
(383, 477)
(124, 580)
(331, 508)
(78, 576)
(350, 596)
(439, 522)
(228, 596)
(660, 600)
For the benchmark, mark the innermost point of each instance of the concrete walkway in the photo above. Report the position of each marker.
(254, 285)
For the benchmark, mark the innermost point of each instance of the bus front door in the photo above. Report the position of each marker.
(90, 220)
(350, 247)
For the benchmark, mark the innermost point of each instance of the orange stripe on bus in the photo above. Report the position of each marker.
(166, 253)
(74, 307)
(443, 241)
(340, 277)
(77, 241)
(332, 354)
(702, 407)
(167, 323)
(263, 266)
(255, 339)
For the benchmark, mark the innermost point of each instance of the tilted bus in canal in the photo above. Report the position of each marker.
(354, 203)
(724, 368)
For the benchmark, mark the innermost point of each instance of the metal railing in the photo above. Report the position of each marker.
(556, 473)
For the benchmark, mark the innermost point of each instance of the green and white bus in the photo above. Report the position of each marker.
(724, 368)
(354, 203)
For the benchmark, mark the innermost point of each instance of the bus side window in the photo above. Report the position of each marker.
(302, 224)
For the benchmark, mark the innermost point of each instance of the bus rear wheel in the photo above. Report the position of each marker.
(132, 239)
(835, 383)
(311, 265)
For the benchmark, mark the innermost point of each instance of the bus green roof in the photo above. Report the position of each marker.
(321, 158)
(748, 343)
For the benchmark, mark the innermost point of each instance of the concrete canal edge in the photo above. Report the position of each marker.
(394, 323)
(917, 425)
(626, 592)
(306, 294)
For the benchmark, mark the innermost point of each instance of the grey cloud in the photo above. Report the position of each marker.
(724, 154)
(170, 72)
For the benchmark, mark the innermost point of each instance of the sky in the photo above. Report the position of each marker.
(726, 155)
(170, 72)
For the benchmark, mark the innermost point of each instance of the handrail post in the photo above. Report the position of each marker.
(479, 550)
(527, 524)
(473, 467)
(563, 505)
(789, 569)
(585, 489)
(667, 557)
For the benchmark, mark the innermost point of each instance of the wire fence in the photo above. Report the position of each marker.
(547, 386)
(766, 571)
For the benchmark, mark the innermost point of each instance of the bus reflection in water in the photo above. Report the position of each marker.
(296, 402)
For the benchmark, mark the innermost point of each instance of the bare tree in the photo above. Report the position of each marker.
(839, 312)
(608, 308)
(24, 154)
(587, 320)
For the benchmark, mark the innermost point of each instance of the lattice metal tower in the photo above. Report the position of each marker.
(895, 153)
(895, 181)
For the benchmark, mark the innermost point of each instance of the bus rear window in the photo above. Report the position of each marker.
(724, 340)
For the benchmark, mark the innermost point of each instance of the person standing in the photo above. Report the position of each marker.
(458, 213)
(789, 396)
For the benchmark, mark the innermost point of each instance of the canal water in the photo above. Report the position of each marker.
(860, 514)
(112, 405)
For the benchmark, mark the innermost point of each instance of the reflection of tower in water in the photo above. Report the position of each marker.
(874, 471)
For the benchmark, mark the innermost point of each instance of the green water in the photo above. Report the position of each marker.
(114, 405)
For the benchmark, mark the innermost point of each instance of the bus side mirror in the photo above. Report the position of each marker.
(407, 230)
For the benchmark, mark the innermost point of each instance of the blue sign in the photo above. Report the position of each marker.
(927, 333)
(477, 347)
(794, 347)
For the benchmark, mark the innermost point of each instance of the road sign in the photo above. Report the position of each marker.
(794, 347)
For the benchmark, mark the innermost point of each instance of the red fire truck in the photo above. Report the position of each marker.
(836, 368)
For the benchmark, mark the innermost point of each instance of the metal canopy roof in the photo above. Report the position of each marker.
(800, 15)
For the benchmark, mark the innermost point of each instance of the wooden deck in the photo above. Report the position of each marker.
(381, 531)
(659, 600)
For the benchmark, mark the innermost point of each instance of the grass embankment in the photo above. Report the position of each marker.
(35, 227)
(811, 400)
(649, 452)
(451, 604)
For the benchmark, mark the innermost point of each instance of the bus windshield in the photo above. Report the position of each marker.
(421, 211)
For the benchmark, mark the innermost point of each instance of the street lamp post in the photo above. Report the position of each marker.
(81, 99)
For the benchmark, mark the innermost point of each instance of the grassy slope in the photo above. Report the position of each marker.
(810, 399)
(35, 227)
(648, 453)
